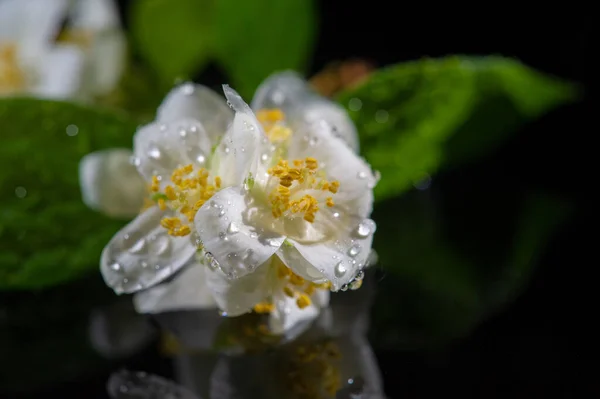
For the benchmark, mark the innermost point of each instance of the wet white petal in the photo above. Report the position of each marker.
(303, 106)
(159, 148)
(188, 290)
(238, 296)
(236, 101)
(60, 73)
(106, 61)
(338, 261)
(33, 24)
(142, 254)
(239, 152)
(340, 163)
(288, 316)
(227, 229)
(95, 15)
(111, 184)
(200, 103)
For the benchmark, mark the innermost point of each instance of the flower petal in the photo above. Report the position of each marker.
(95, 15)
(226, 228)
(200, 103)
(60, 73)
(187, 291)
(340, 163)
(160, 148)
(337, 261)
(238, 154)
(33, 24)
(111, 184)
(142, 254)
(239, 295)
(303, 106)
(106, 61)
(287, 315)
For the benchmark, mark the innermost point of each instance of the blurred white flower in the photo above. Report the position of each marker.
(41, 58)
(266, 212)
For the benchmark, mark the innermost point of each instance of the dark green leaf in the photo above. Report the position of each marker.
(418, 116)
(175, 37)
(255, 38)
(47, 235)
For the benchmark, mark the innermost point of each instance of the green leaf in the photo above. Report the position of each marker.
(47, 234)
(256, 38)
(174, 37)
(419, 116)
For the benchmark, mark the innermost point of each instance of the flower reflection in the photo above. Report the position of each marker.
(219, 358)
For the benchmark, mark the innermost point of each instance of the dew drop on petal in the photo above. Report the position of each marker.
(253, 235)
(362, 175)
(354, 250)
(188, 89)
(233, 228)
(336, 215)
(221, 212)
(154, 152)
(115, 267)
(160, 244)
(135, 161)
(340, 269)
(223, 236)
(201, 159)
(273, 242)
(363, 230)
(264, 157)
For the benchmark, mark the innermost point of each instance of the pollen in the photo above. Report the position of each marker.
(189, 190)
(287, 199)
(12, 77)
(273, 121)
(303, 301)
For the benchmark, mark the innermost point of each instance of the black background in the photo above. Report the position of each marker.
(534, 346)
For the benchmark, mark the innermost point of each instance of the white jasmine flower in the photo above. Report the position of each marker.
(38, 58)
(266, 212)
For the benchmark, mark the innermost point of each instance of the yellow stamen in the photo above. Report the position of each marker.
(12, 77)
(288, 291)
(330, 202)
(303, 301)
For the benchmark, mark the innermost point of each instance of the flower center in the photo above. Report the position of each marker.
(191, 188)
(12, 77)
(301, 189)
(293, 286)
(272, 121)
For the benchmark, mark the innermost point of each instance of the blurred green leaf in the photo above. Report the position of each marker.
(437, 286)
(256, 38)
(47, 234)
(418, 116)
(176, 38)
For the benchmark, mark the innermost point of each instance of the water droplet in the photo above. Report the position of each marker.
(20, 192)
(138, 246)
(160, 244)
(381, 116)
(312, 141)
(340, 269)
(354, 250)
(226, 149)
(72, 130)
(144, 264)
(212, 262)
(264, 157)
(344, 287)
(135, 161)
(359, 275)
(221, 313)
(183, 133)
(253, 235)
(350, 381)
(221, 212)
(355, 284)
(243, 149)
(287, 310)
(336, 215)
(115, 267)
(154, 152)
(233, 228)
(223, 236)
(273, 242)
(355, 104)
(188, 89)
(200, 159)
(362, 175)
(363, 230)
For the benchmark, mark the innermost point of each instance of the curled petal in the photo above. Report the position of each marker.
(160, 148)
(226, 228)
(187, 291)
(191, 101)
(238, 296)
(303, 106)
(111, 184)
(338, 261)
(142, 254)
